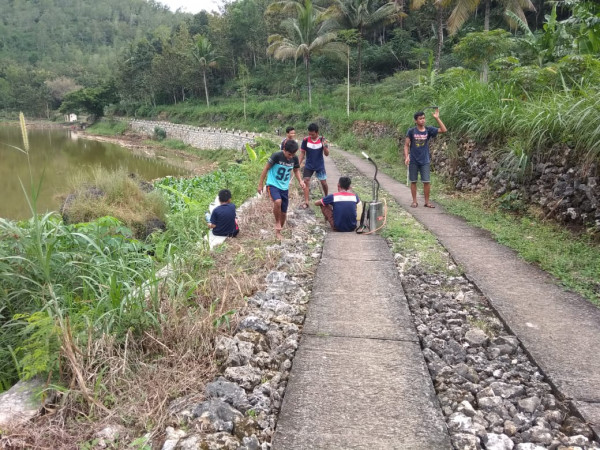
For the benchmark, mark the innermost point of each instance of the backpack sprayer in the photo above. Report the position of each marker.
(374, 213)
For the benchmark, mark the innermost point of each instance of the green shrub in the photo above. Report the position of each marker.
(160, 133)
(454, 77)
(532, 80)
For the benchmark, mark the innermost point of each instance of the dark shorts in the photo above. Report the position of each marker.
(414, 169)
(321, 175)
(279, 194)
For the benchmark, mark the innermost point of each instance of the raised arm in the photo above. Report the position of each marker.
(436, 115)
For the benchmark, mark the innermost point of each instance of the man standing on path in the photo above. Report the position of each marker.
(279, 169)
(416, 154)
(290, 133)
(314, 147)
(339, 209)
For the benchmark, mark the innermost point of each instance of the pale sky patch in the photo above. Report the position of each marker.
(193, 6)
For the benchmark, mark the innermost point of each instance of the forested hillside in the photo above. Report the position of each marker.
(50, 47)
(135, 54)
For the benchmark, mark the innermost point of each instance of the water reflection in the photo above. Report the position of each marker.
(55, 156)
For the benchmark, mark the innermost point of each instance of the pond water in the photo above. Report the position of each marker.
(58, 154)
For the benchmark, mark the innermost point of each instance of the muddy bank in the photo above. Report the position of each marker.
(138, 145)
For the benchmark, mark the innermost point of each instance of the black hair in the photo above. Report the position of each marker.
(313, 127)
(288, 129)
(224, 195)
(419, 114)
(345, 182)
(290, 146)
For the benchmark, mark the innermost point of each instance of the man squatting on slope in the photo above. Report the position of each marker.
(339, 209)
(279, 169)
(314, 147)
(418, 161)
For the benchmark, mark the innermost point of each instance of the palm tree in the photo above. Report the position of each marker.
(309, 33)
(362, 15)
(464, 8)
(203, 52)
(440, 8)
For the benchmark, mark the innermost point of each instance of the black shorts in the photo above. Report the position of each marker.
(321, 175)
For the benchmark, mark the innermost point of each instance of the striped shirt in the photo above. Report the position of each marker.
(314, 153)
(344, 209)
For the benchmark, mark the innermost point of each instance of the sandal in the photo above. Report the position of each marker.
(429, 205)
(414, 204)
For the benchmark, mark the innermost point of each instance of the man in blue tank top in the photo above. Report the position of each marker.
(278, 171)
(417, 161)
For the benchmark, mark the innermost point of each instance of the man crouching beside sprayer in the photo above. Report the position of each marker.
(339, 208)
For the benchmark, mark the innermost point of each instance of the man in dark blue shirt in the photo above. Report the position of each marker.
(314, 147)
(417, 161)
(339, 208)
(222, 220)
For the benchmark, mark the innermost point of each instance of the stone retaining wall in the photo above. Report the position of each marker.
(200, 137)
(561, 185)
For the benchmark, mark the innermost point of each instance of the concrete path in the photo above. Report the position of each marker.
(559, 329)
(359, 380)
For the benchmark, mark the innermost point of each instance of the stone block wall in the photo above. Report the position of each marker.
(200, 137)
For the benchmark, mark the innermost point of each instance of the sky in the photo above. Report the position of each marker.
(193, 6)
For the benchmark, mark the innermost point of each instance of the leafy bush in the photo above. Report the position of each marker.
(160, 133)
(454, 77)
(532, 80)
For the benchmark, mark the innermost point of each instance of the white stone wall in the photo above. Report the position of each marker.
(199, 137)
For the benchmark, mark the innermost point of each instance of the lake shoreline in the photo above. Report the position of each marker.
(138, 145)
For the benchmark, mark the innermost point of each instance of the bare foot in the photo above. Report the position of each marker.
(278, 235)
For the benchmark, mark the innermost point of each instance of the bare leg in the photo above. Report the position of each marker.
(306, 190)
(277, 213)
(327, 211)
(283, 217)
(413, 192)
(426, 188)
(325, 187)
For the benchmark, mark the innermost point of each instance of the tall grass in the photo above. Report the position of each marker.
(117, 194)
(51, 272)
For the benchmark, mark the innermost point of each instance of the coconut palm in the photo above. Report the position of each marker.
(463, 9)
(204, 54)
(440, 11)
(311, 31)
(362, 15)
